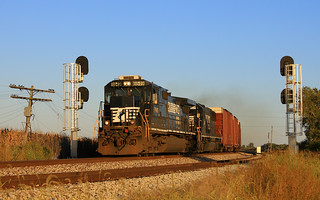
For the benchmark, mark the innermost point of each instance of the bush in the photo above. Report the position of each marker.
(30, 151)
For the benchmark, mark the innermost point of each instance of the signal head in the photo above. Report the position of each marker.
(286, 60)
(287, 96)
(83, 62)
(84, 93)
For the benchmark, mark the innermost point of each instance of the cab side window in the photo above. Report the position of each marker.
(155, 97)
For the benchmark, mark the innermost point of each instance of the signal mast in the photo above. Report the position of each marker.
(74, 98)
(292, 97)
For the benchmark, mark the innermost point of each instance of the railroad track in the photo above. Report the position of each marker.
(37, 180)
(26, 163)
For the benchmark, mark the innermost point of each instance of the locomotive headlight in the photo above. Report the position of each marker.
(132, 122)
(107, 122)
(127, 83)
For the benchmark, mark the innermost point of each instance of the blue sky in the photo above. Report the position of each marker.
(220, 53)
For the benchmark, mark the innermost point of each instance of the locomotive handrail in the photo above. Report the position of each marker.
(96, 128)
(199, 132)
(146, 124)
(145, 115)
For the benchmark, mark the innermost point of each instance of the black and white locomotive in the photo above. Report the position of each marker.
(140, 117)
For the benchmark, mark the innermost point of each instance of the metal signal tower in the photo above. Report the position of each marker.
(74, 98)
(28, 110)
(292, 97)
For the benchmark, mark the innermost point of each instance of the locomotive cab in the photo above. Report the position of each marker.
(121, 123)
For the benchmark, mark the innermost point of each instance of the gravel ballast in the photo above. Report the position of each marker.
(119, 189)
(81, 167)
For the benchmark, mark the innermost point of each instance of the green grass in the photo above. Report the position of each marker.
(39, 146)
(30, 151)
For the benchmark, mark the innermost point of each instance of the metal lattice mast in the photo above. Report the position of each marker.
(74, 98)
(292, 97)
(294, 107)
(72, 78)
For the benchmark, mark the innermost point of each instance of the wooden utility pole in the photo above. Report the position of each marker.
(271, 136)
(268, 141)
(28, 110)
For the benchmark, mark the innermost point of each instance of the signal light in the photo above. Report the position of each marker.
(287, 96)
(84, 66)
(286, 60)
(83, 62)
(84, 93)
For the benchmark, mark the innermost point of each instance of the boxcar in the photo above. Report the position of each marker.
(228, 128)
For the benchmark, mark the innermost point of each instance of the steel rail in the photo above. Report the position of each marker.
(10, 164)
(39, 180)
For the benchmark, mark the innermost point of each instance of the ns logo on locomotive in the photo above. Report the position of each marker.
(140, 117)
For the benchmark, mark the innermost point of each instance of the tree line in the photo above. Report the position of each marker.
(310, 123)
(311, 119)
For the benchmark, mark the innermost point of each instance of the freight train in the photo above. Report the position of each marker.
(139, 117)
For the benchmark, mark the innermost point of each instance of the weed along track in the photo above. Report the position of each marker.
(133, 168)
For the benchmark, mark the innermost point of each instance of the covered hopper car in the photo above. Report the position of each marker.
(140, 117)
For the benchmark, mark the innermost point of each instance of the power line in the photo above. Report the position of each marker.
(88, 115)
(28, 110)
(59, 95)
(43, 125)
(5, 92)
(10, 113)
(55, 111)
(52, 103)
(9, 106)
(10, 119)
(4, 96)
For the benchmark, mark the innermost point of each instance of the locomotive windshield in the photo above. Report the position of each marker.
(124, 96)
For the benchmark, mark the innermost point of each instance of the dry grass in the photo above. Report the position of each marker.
(41, 146)
(277, 176)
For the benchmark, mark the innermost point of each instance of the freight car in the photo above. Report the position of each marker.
(140, 117)
(228, 128)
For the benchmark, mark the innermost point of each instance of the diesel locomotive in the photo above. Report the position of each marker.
(140, 117)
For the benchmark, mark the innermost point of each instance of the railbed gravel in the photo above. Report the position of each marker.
(118, 189)
(50, 169)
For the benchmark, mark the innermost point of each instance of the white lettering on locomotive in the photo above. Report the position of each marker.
(173, 108)
(124, 114)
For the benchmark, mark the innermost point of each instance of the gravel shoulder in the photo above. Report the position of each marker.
(119, 189)
(81, 167)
